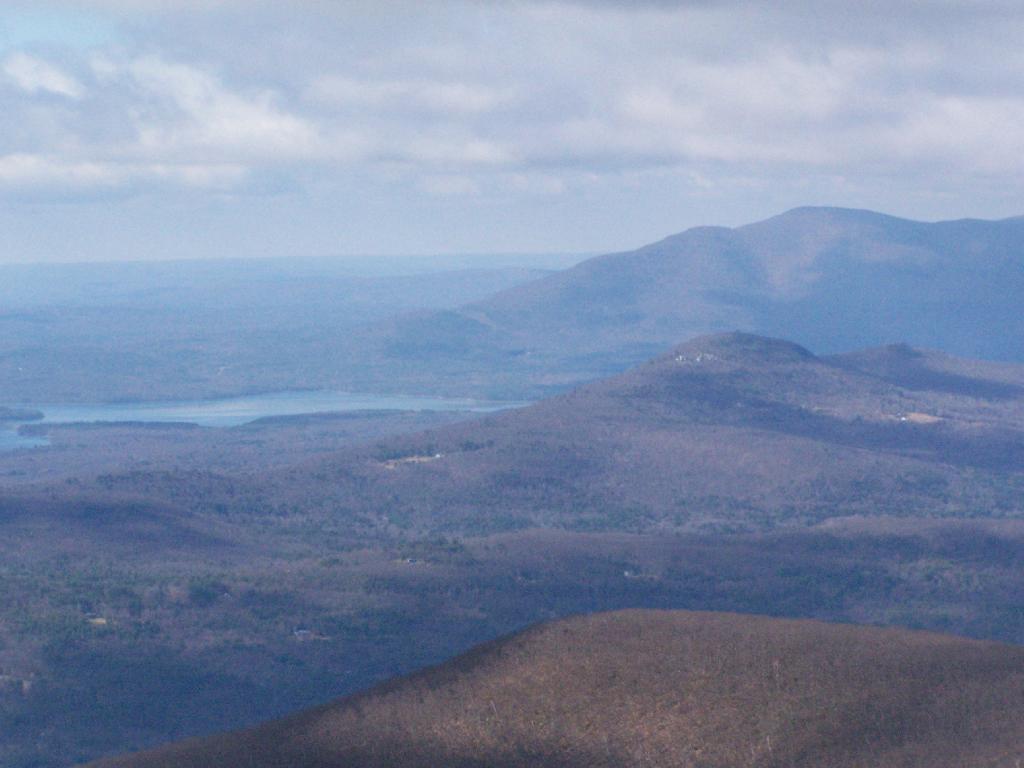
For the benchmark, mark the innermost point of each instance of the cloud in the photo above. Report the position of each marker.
(562, 106)
(189, 113)
(446, 97)
(528, 88)
(33, 75)
(981, 133)
(159, 6)
(36, 171)
(167, 122)
(41, 170)
(443, 150)
(157, 122)
(450, 186)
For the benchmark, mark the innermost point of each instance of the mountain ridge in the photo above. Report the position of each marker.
(662, 688)
(829, 278)
(729, 432)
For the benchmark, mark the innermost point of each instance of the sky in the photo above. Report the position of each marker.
(160, 129)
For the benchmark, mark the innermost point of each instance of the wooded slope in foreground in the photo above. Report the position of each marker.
(651, 688)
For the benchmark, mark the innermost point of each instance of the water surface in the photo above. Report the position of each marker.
(234, 411)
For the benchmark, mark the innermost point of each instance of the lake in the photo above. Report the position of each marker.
(234, 411)
(10, 439)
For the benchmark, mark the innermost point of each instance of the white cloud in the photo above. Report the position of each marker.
(163, 6)
(194, 115)
(30, 170)
(527, 100)
(446, 150)
(978, 132)
(450, 186)
(440, 96)
(160, 123)
(41, 170)
(33, 75)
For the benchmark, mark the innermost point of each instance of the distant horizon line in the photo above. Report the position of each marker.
(467, 255)
(561, 254)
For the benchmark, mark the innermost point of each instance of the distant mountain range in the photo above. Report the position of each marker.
(662, 689)
(829, 278)
(167, 331)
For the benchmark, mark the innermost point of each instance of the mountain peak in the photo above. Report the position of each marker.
(740, 347)
(834, 213)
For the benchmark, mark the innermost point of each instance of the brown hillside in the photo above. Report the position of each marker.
(644, 688)
(726, 432)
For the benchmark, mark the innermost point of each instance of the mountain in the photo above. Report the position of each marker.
(829, 278)
(733, 472)
(645, 688)
(726, 432)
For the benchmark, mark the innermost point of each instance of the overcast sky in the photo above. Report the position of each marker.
(175, 129)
